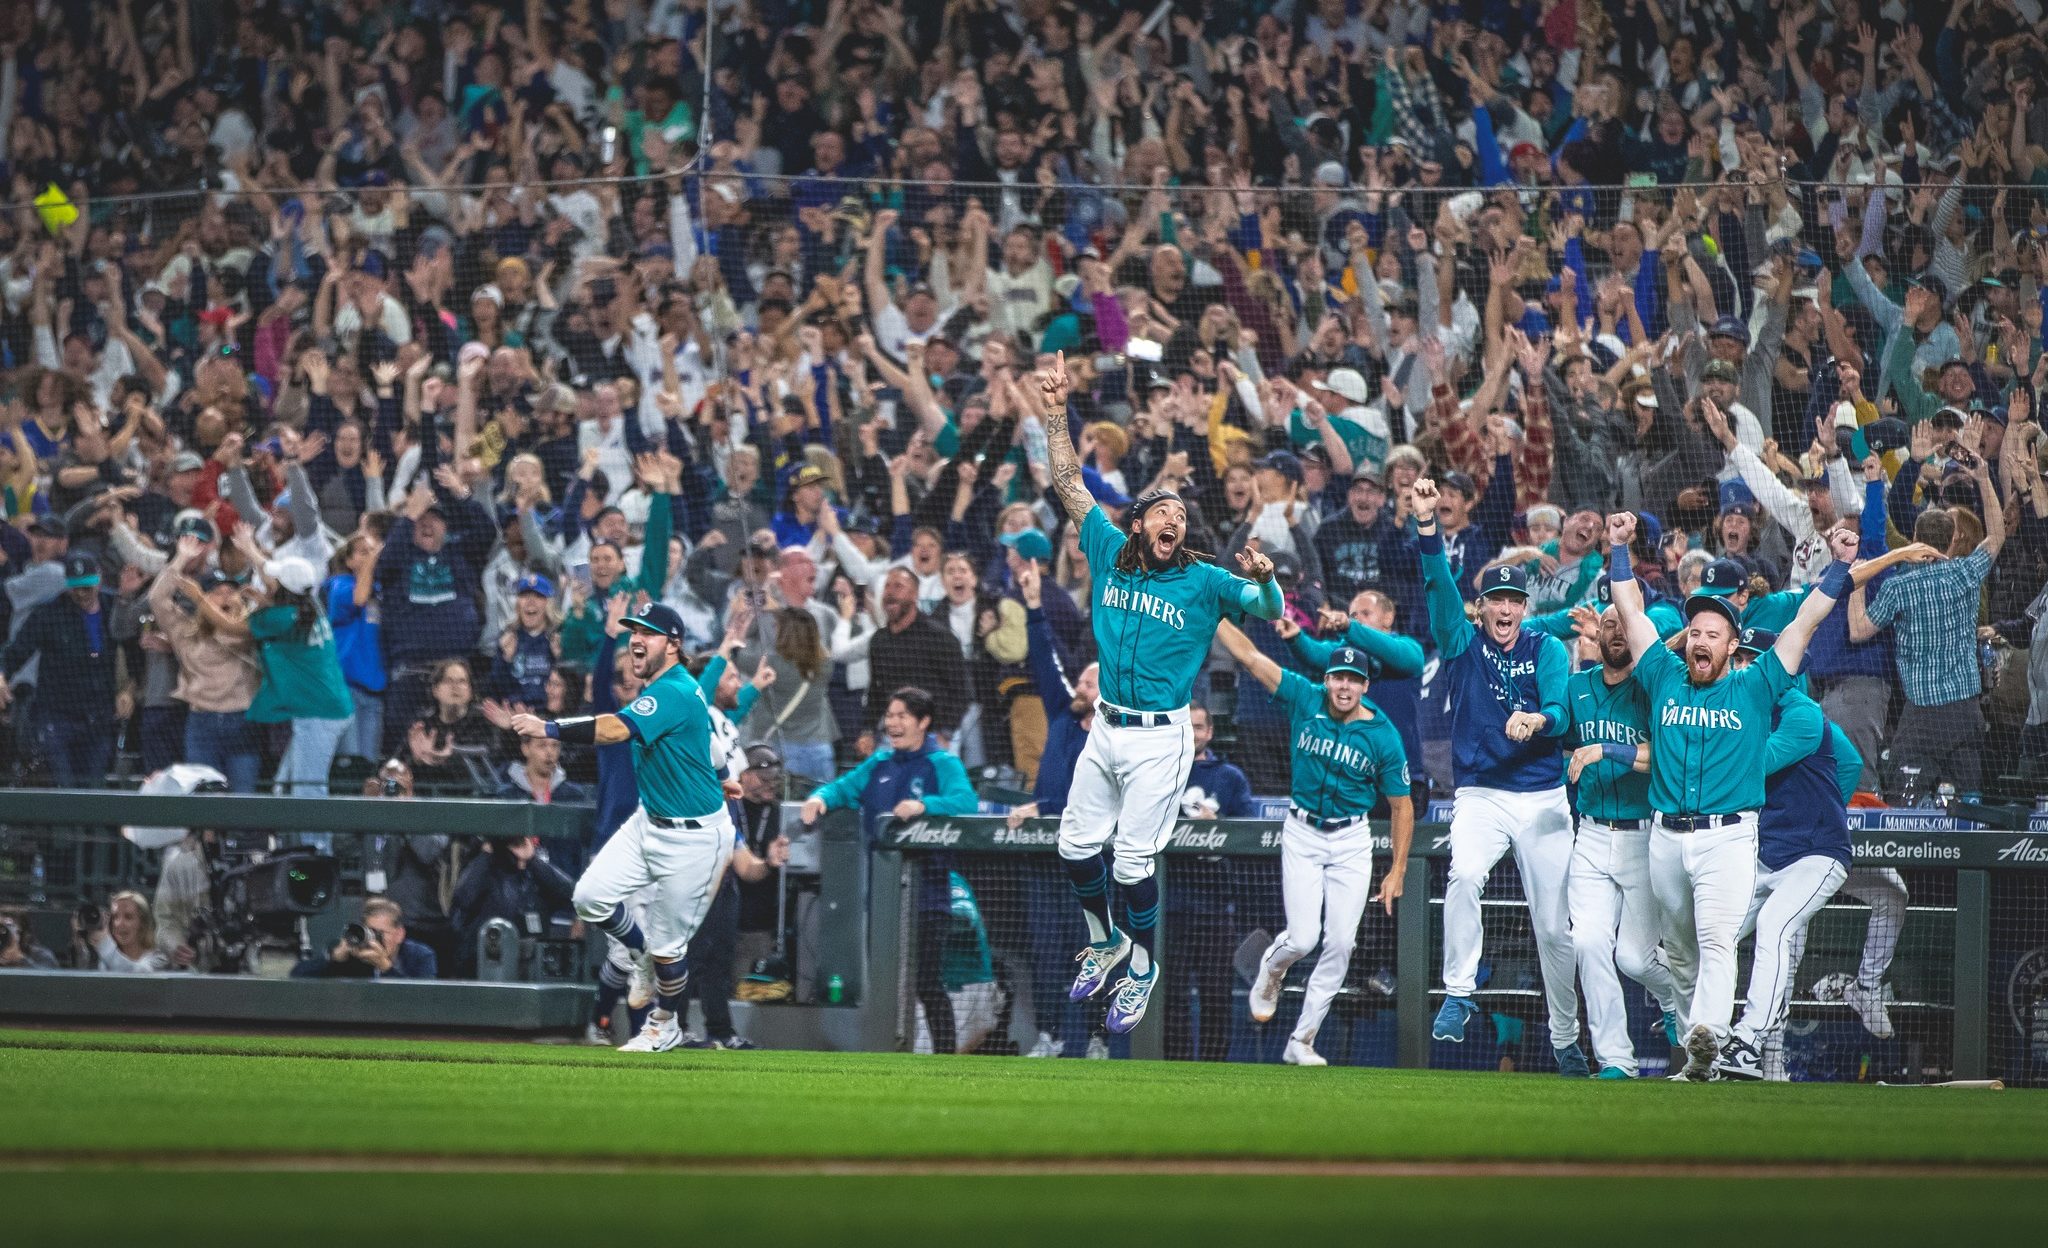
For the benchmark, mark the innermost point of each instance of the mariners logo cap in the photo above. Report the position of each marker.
(1702, 601)
(1506, 579)
(657, 617)
(1756, 640)
(1722, 578)
(1351, 659)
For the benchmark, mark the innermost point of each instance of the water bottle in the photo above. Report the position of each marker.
(1909, 787)
(1945, 795)
(835, 990)
(38, 895)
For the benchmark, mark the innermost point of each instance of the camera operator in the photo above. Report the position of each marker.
(375, 948)
(760, 823)
(417, 872)
(184, 894)
(121, 938)
(511, 881)
(18, 948)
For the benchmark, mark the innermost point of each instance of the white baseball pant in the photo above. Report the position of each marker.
(682, 865)
(1485, 825)
(1884, 892)
(1703, 882)
(1126, 793)
(1784, 901)
(1325, 882)
(1614, 920)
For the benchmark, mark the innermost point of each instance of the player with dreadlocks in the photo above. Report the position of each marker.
(1156, 606)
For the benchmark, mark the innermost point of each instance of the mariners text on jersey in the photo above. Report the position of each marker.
(1121, 599)
(1316, 745)
(1675, 716)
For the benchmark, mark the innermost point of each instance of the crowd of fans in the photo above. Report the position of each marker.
(467, 331)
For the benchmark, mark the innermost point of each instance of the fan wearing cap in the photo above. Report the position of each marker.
(302, 679)
(1507, 710)
(530, 645)
(1709, 723)
(1810, 771)
(1345, 756)
(73, 712)
(205, 622)
(678, 840)
(1155, 611)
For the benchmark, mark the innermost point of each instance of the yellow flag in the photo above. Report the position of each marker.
(55, 208)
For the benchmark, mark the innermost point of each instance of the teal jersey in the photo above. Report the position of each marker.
(1398, 657)
(1340, 770)
(1707, 743)
(1153, 629)
(1773, 611)
(1602, 714)
(1666, 616)
(671, 725)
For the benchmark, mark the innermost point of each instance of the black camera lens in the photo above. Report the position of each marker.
(355, 936)
(89, 915)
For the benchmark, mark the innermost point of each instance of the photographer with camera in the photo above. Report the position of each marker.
(416, 872)
(121, 938)
(375, 948)
(511, 881)
(19, 950)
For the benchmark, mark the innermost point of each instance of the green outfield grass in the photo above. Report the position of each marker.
(103, 1115)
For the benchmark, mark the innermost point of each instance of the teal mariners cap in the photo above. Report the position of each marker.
(1350, 659)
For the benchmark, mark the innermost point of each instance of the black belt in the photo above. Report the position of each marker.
(687, 825)
(1622, 825)
(1696, 823)
(1133, 719)
(1323, 825)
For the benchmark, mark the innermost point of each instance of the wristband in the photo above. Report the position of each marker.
(579, 731)
(1618, 568)
(552, 730)
(1835, 581)
(1624, 755)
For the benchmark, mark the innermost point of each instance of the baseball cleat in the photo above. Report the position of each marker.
(1571, 1062)
(1097, 961)
(1701, 1049)
(1451, 1019)
(1870, 1008)
(661, 1034)
(1127, 1007)
(640, 984)
(1740, 1060)
(1046, 1046)
(1613, 1072)
(1671, 1028)
(597, 1037)
(1265, 996)
(1301, 1053)
(1098, 1049)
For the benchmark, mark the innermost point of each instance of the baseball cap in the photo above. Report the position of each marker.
(1603, 591)
(762, 757)
(1720, 370)
(1286, 463)
(192, 522)
(1736, 496)
(1350, 659)
(1931, 284)
(1461, 482)
(1700, 600)
(490, 291)
(1509, 578)
(534, 583)
(81, 570)
(1756, 640)
(657, 617)
(1348, 382)
(1371, 476)
(1730, 327)
(1722, 578)
(809, 474)
(1285, 566)
(214, 578)
(187, 461)
(1330, 173)
(294, 573)
(1029, 544)
(47, 526)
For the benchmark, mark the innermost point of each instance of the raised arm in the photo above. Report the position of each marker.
(1053, 384)
(1248, 656)
(1624, 588)
(1447, 624)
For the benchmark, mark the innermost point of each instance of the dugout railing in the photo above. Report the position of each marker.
(1967, 984)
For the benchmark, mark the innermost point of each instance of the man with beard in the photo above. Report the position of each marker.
(1507, 710)
(1709, 727)
(1613, 913)
(679, 839)
(1155, 613)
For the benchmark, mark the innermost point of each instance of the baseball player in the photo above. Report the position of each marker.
(1507, 710)
(678, 840)
(1882, 889)
(1155, 612)
(1810, 771)
(1613, 913)
(1369, 626)
(1709, 725)
(1346, 755)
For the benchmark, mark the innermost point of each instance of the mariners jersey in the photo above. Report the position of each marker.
(1340, 770)
(1706, 742)
(672, 748)
(1153, 629)
(1604, 714)
(1812, 770)
(1488, 684)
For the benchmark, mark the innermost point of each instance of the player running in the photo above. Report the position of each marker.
(1802, 855)
(1155, 612)
(1346, 756)
(1613, 914)
(678, 840)
(1507, 709)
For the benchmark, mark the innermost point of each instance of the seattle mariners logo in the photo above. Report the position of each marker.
(643, 706)
(1505, 576)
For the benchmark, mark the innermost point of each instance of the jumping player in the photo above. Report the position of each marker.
(1155, 612)
(1346, 756)
(1810, 773)
(1507, 710)
(678, 840)
(1613, 914)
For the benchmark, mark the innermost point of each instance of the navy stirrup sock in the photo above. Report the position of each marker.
(1090, 878)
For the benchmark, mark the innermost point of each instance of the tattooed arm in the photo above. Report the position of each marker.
(1053, 383)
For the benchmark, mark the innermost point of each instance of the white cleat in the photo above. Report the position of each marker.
(1265, 996)
(1302, 1053)
(1701, 1051)
(1098, 1049)
(640, 985)
(1870, 1008)
(661, 1034)
(1046, 1046)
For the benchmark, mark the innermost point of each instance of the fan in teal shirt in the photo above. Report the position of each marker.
(301, 675)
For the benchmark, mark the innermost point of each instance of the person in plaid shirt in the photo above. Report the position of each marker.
(1932, 610)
